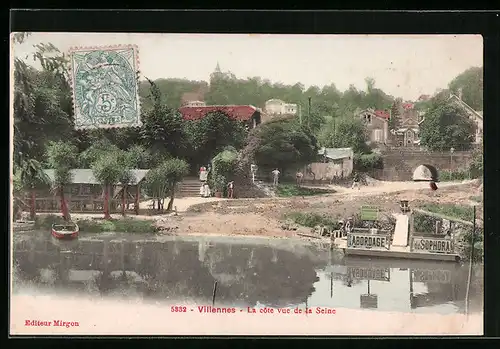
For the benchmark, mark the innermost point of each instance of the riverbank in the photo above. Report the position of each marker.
(122, 225)
(268, 217)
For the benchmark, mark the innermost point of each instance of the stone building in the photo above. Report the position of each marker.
(279, 107)
(407, 132)
(377, 124)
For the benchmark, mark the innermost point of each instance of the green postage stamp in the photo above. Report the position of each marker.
(105, 86)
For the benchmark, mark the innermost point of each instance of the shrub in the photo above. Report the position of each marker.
(289, 190)
(368, 162)
(423, 223)
(224, 163)
(312, 220)
(467, 241)
(454, 175)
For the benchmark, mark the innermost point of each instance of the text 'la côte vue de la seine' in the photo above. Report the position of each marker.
(207, 309)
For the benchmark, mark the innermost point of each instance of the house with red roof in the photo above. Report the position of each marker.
(246, 113)
(377, 124)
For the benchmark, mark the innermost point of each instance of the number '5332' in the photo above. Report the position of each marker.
(178, 309)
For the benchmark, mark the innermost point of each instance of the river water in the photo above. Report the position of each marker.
(250, 272)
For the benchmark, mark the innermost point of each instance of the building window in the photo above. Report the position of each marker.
(377, 135)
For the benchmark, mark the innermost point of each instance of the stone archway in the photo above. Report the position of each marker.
(425, 173)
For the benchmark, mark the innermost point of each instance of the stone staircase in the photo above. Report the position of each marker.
(189, 187)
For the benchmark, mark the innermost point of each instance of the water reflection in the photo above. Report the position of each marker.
(247, 275)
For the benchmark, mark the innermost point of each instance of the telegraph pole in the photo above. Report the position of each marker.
(309, 113)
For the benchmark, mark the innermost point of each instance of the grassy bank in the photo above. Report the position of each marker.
(476, 198)
(312, 220)
(124, 225)
(464, 212)
(466, 241)
(290, 190)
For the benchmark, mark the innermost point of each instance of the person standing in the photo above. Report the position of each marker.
(355, 181)
(298, 177)
(253, 171)
(206, 190)
(276, 175)
(230, 190)
(203, 174)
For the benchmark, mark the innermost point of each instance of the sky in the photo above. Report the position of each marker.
(404, 66)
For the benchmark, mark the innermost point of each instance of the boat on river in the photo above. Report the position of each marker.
(67, 231)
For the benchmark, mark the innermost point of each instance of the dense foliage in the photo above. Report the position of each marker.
(470, 85)
(447, 126)
(344, 133)
(367, 162)
(281, 144)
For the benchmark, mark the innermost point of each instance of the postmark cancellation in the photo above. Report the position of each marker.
(105, 86)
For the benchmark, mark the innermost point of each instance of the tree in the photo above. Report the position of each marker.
(224, 167)
(162, 129)
(447, 126)
(162, 180)
(42, 110)
(127, 161)
(281, 144)
(470, 85)
(90, 155)
(140, 157)
(62, 156)
(370, 84)
(30, 174)
(394, 120)
(344, 133)
(213, 133)
(109, 168)
(476, 166)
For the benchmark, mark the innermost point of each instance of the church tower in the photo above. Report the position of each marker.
(217, 73)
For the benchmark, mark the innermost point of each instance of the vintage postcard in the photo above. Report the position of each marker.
(180, 184)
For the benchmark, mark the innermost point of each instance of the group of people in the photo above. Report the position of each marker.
(205, 190)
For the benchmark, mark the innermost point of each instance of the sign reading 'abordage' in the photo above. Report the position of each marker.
(357, 240)
(433, 245)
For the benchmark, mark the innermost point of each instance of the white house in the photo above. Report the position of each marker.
(195, 104)
(279, 107)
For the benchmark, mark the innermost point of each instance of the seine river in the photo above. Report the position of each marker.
(248, 272)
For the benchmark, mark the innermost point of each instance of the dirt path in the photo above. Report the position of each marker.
(264, 217)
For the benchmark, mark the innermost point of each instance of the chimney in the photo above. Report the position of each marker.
(460, 93)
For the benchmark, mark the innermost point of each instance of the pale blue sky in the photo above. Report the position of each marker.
(403, 66)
